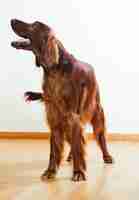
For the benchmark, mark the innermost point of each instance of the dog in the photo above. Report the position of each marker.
(70, 94)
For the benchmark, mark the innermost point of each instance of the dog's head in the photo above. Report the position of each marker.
(38, 38)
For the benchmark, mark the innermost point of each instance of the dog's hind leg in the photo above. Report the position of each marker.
(69, 158)
(68, 139)
(98, 122)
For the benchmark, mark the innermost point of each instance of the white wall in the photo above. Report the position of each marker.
(103, 33)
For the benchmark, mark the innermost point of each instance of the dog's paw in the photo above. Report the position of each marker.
(78, 176)
(32, 96)
(29, 96)
(48, 174)
(108, 159)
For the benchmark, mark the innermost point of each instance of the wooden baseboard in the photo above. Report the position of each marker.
(118, 137)
(24, 135)
(89, 136)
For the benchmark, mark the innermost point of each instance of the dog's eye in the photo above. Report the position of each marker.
(36, 24)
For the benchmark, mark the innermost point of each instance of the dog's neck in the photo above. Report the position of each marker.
(65, 64)
(66, 60)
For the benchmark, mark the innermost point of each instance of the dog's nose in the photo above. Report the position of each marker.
(13, 22)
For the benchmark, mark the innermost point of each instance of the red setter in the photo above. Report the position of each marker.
(70, 94)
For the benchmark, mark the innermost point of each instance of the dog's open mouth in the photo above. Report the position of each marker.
(21, 44)
(22, 30)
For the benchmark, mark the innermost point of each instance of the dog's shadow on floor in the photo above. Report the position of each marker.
(65, 189)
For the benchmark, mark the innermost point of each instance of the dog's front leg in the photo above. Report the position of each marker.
(56, 149)
(78, 153)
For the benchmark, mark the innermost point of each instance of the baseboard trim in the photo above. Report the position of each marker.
(118, 137)
(24, 135)
(42, 135)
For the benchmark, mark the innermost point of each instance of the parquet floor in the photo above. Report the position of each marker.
(23, 161)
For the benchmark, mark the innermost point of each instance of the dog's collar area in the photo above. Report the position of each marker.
(65, 61)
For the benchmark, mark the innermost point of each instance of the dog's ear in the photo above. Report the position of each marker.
(51, 51)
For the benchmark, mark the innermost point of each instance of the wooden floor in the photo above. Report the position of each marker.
(23, 161)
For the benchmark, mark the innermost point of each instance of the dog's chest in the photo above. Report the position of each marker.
(54, 85)
(59, 90)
